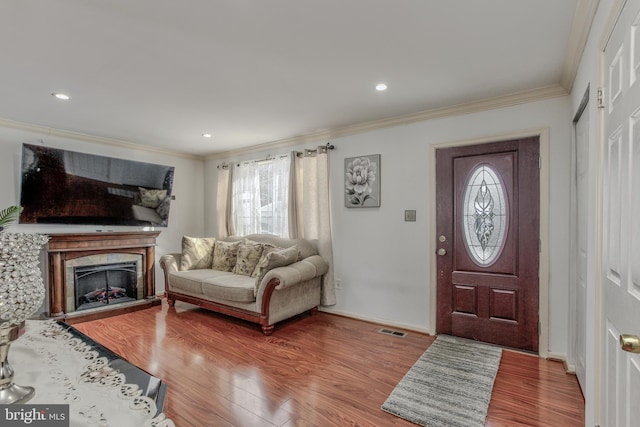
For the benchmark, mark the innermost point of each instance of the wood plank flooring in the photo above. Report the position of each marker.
(321, 370)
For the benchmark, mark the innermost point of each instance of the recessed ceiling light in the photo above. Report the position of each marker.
(380, 87)
(62, 96)
(207, 135)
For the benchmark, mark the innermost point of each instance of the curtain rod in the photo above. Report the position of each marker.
(269, 158)
(322, 148)
(225, 165)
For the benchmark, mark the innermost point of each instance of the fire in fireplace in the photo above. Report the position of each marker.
(98, 285)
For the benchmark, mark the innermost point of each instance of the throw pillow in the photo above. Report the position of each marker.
(262, 262)
(225, 255)
(275, 259)
(151, 198)
(248, 256)
(197, 252)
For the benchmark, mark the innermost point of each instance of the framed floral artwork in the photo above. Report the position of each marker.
(362, 181)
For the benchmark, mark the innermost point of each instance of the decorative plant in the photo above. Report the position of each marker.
(9, 215)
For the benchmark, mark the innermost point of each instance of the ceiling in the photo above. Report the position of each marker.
(160, 73)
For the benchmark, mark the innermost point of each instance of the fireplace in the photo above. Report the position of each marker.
(94, 275)
(98, 280)
(97, 285)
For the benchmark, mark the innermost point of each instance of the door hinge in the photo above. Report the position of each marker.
(539, 162)
(600, 97)
(539, 246)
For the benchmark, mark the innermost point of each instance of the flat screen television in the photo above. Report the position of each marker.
(68, 187)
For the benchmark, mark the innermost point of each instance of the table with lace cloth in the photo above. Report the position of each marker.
(101, 389)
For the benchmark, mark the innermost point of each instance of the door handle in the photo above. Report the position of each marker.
(442, 252)
(630, 343)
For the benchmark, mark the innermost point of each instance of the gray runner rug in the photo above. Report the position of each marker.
(450, 385)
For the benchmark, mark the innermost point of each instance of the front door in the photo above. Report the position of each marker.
(487, 222)
(621, 220)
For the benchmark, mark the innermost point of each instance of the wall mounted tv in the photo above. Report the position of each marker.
(67, 187)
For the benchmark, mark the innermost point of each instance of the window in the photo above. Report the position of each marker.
(485, 215)
(260, 197)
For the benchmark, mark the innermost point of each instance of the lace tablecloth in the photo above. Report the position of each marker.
(64, 368)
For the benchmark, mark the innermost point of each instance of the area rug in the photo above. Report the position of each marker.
(450, 385)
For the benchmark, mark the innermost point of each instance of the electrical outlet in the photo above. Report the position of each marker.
(338, 283)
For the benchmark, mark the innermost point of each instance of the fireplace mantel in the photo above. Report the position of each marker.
(63, 247)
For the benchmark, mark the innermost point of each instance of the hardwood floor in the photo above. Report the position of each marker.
(321, 370)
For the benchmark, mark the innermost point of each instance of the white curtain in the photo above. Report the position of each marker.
(310, 210)
(276, 209)
(259, 197)
(223, 205)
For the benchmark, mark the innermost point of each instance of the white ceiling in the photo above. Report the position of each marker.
(162, 72)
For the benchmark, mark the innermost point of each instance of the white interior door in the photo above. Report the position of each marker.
(621, 220)
(579, 246)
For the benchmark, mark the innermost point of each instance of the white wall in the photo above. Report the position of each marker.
(187, 210)
(384, 262)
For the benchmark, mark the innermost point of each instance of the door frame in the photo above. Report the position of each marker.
(582, 111)
(543, 271)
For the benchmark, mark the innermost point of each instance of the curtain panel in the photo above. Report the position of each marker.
(310, 209)
(259, 197)
(224, 226)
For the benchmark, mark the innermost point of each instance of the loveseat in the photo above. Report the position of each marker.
(260, 278)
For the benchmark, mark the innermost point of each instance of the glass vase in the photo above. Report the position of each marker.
(21, 294)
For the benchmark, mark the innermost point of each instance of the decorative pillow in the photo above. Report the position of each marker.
(163, 208)
(151, 198)
(248, 256)
(225, 255)
(267, 248)
(197, 252)
(275, 259)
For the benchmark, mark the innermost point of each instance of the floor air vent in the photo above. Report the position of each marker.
(392, 332)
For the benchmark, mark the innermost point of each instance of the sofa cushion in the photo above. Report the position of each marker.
(190, 280)
(225, 255)
(230, 287)
(275, 259)
(197, 252)
(248, 256)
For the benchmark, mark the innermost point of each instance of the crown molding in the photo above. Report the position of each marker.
(11, 124)
(516, 98)
(580, 28)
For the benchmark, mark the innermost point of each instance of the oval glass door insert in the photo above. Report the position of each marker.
(485, 215)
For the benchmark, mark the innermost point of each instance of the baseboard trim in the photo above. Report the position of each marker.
(375, 321)
(560, 357)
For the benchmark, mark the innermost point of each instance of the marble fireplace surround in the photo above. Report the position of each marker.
(68, 250)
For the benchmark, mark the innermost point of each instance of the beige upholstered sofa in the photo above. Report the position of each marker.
(274, 292)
